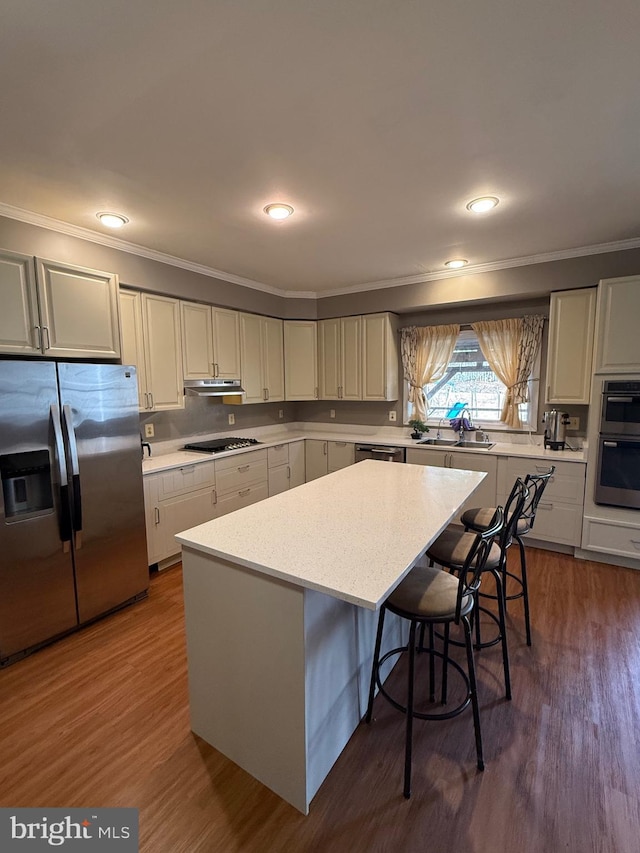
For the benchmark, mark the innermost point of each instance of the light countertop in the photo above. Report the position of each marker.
(352, 534)
(167, 455)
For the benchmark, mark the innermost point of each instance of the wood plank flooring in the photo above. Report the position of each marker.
(101, 719)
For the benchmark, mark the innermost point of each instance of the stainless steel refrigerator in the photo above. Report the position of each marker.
(72, 533)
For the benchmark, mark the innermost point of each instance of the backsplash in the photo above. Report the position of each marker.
(207, 415)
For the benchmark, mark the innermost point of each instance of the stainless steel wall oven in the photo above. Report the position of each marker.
(618, 471)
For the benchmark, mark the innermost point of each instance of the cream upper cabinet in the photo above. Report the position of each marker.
(301, 359)
(197, 341)
(379, 357)
(569, 358)
(225, 325)
(210, 342)
(19, 317)
(340, 358)
(151, 340)
(617, 341)
(262, 358)
(61, 311)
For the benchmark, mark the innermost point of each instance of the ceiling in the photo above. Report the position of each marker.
(377, 121)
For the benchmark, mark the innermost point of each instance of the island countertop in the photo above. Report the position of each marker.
(353, 534)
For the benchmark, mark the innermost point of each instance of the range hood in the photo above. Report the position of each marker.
(214, 387)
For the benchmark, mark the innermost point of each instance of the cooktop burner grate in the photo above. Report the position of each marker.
(218, 445)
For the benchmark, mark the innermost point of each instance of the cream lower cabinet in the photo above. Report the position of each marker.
(300, 360)
(57, 310)
(485, 494)
(151, 340)
(262, 358)
(176, 500)
(617, 340)
(210, 342)
(286, 466)
(559, 515)
(324, 457)
(570, 353)
(241, 480)
(613, 537)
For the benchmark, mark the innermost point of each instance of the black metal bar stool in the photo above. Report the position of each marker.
(449, 551)
(479, 518)
(427, 597)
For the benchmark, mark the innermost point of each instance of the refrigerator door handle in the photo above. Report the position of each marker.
(75, 475)
(65, 508)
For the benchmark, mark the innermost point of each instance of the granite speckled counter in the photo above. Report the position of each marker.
(280, 612)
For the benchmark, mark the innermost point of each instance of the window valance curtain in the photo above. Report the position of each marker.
(426, 353)
(510, 347)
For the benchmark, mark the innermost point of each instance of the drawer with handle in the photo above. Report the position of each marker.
(238, 472)
(187, 478)
(611, 538)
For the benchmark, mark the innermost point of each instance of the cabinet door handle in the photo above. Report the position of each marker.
(340, 443)
(217, 369)
(151, 399)
(324, 448)
(278, 446)
(289, 477)
(39, 334)
(187, 468)
(214, 497)
(156, 511)
(315, 392)
(547, 506)
(48, 344)
(243, 468)
(244, 493)
(268, 394)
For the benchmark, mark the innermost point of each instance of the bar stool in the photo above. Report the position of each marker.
(479, 518)
(427, 597)
(449, 550)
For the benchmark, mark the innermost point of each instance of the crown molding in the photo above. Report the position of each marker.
(111, 242)
(471, 269)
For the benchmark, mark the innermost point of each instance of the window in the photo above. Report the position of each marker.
(470, 383)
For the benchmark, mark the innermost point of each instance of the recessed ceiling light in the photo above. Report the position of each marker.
(482, 205)
(112, 220)
(278, 211)
(456, 263)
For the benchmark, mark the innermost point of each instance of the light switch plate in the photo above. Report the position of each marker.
(392, 415)
(232, 420)
(332, 413)
(574, 423)
(149, 431)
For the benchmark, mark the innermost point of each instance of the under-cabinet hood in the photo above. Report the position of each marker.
(214, 387)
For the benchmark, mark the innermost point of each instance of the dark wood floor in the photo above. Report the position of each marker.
(101, 719)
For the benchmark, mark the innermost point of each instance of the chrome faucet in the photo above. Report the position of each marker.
(461, 430)
(438, 434)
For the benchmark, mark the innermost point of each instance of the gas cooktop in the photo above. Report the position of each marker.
(218, 445)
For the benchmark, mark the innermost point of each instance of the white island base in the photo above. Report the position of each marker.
(284, 692)
(281, 602)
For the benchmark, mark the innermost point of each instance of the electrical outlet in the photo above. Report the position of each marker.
(332, 413)
(149, 431)
(392, 415)
(232, 420)
(573, 423)
(280, 413)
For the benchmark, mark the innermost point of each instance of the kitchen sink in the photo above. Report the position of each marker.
(439, 442)
(475, 445)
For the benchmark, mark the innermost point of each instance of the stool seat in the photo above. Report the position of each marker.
(479, 518)
(429, 593)
(450, 549)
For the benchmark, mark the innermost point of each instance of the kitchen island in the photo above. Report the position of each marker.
(280, 611)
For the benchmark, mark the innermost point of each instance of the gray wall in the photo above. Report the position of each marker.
(517, 283)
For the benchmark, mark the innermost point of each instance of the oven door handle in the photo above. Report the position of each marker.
(609, 443)
(610, 399)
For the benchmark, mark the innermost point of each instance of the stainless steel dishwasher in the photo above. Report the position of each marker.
(382, 454)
